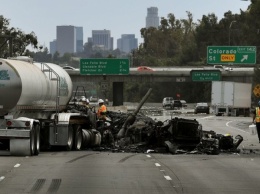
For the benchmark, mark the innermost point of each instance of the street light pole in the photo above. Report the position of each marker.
(229, 31)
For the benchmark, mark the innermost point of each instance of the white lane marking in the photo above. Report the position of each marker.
(227, 124)
(157, 164)
(17, 165)
(2, 178)
(168, 178)
(148, 156)
(162, 170)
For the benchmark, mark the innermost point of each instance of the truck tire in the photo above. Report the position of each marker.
(69, 145)
(32, 141)
(37, 139)
(78, 138)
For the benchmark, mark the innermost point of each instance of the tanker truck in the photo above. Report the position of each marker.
(33, 101)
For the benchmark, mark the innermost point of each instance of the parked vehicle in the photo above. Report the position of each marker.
(183, 103)
(202, 107)
(93, 101)
(231, 98)
(167, 102)
(170, 103)
(33, 107)
(176, 104)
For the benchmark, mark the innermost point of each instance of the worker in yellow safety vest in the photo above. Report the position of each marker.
(256, 119)
(102, 110)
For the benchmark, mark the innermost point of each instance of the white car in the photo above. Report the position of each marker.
(183, 103)
(221, 67)
(93, 101)
(167, 102)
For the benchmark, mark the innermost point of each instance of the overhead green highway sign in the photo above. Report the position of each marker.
(105, 66)
(205, 75)
(231, 55)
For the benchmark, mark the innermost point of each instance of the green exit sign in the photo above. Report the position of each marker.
(231, 55)
(104, 66)
(205, 75)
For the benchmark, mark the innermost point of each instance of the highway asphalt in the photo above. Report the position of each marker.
(250, 143)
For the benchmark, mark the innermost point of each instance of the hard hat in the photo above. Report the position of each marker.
(100, 101)
(107, 124)
(84, 99)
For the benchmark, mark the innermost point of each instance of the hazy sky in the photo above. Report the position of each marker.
(118, 16)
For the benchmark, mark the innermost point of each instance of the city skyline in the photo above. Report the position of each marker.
(120, 17)
(69, 39)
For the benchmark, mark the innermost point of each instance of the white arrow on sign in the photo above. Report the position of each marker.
(245, 57)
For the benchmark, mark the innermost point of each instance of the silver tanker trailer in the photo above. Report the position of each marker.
(33, 99)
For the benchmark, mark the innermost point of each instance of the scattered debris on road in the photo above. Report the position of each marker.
(175, 136)
(136, 132)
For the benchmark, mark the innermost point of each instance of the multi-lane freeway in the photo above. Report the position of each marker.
(89, 171)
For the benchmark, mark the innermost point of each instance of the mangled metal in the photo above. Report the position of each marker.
(136, 132)
(175, 136)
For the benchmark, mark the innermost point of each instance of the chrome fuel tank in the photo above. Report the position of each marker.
(26, 86)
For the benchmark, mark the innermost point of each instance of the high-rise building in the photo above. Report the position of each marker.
(53, 47)
(102, 38)
(152, 18)
(69, 39)
(79, 39)
(127, 43)
(66, 39)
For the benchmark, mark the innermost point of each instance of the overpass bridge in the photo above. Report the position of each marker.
(178, 74)
(174, 74)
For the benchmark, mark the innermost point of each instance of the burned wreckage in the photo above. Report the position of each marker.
(175, 136)
(136, 132)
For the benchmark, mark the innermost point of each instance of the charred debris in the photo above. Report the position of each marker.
(175, 136)
(138, 133)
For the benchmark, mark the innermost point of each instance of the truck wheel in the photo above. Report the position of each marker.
(32, 141)
(78, 138)
(37, 139)
(70, 138)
